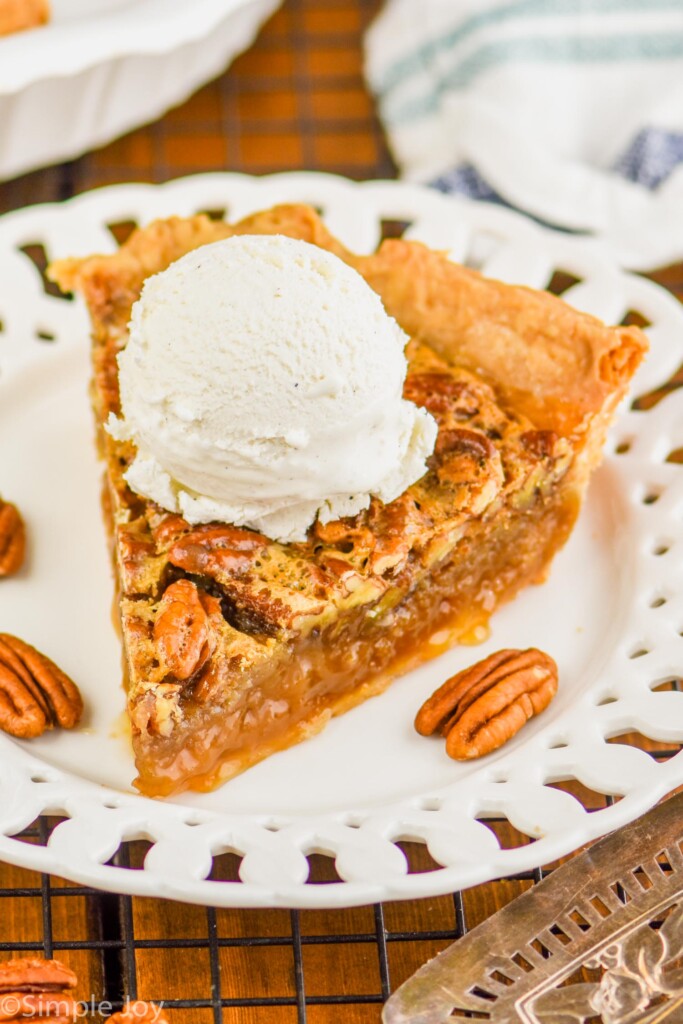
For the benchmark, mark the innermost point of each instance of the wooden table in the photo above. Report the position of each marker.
(296, 100)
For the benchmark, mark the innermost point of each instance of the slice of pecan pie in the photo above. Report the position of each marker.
(237, 646)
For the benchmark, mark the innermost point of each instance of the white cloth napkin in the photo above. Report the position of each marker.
(571, 110)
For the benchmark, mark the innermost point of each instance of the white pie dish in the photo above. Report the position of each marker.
(103, 67)
(615, 591)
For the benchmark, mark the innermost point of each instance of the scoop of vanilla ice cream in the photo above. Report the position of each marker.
(262, 386)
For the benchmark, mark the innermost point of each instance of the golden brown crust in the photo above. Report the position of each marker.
(503, 451)
(547, 360)
(17, 15)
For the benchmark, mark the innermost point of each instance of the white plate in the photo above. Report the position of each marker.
(103, 67)
(367, 782)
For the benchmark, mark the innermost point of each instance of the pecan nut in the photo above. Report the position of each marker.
(35, 694)
(469, 464)
(397, 527)
(217, 550)
(12, 539)
(37, 989)
(139, 564)
(166, 527)
(442, 395)
(540, 443)
(35, 975)
(482, 707)
(46, 1007)
(183, 633)
(472, 444)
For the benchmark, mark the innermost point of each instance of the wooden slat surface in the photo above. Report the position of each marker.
(296, 100)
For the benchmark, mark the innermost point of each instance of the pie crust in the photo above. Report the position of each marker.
(237, 646)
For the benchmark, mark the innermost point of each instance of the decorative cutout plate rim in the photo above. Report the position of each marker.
(370, 864)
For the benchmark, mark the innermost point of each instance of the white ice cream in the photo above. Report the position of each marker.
(262, 385)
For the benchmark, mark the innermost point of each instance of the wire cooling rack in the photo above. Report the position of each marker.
(295, 100)
(206, 970)
(118, 948)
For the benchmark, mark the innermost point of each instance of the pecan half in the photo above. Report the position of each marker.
(35, 694)
(459, 441)
(35, 975)
(46, 1007)
(12, 539)
(217, 550)
(469, 464)
(540, 442)
(338, 567)
(37, 989)
(397, 527)
(183, 633)
(140, 565)
(482, 707)
(441, 395)
(167, 527)
(139, 1012)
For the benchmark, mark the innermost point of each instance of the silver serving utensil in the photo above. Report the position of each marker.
(599, 940)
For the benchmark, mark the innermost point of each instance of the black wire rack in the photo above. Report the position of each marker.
(117, 949)
(296, 100)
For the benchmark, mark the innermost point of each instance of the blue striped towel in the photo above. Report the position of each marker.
(571, 110)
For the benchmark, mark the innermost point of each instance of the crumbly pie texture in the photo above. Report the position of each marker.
(17, 15)
(236, 646)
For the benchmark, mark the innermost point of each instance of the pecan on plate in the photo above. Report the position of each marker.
(35, 694)
(183, 634)
(139, 1012)
(12, 539)
(482, 707)
(34, 989)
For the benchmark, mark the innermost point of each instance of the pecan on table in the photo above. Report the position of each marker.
(482, 707)
(12, 539)
(183, 633)
(35, 694)
(34, 989)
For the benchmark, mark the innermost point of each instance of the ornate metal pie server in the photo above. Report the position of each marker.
(599, 940)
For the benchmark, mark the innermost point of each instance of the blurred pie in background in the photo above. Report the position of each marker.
(16, 15)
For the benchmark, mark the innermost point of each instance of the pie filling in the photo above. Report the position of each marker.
(358, 656)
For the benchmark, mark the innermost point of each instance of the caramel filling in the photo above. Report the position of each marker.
(357, 656)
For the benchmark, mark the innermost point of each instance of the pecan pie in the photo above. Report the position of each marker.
(237, 646)
(17, 15)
